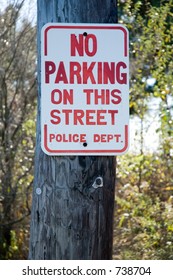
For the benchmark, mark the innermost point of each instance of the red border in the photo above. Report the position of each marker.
(83, 151)
(84, 27)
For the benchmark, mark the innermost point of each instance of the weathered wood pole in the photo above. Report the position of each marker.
(70, 218)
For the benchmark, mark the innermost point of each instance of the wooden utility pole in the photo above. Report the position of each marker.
(73, 198)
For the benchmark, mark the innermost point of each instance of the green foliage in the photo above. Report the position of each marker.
(144, 194)
(144, 212)
(18, 248)
(151, 50)
(17, 128)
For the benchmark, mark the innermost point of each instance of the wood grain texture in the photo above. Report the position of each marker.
(72, 218)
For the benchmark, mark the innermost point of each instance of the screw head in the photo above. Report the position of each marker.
(38, 191)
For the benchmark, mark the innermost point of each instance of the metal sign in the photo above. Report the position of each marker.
(84, 89)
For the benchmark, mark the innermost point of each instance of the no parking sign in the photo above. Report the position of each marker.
(84, 89)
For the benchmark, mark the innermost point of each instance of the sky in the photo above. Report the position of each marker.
(28, 10)
(150, 125)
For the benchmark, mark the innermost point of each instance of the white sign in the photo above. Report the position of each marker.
(84, 89)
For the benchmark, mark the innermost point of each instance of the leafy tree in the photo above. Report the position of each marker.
(17, 125)
(143, 217)
(145, 187)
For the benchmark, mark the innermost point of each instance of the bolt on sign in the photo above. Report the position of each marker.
(84, 89)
